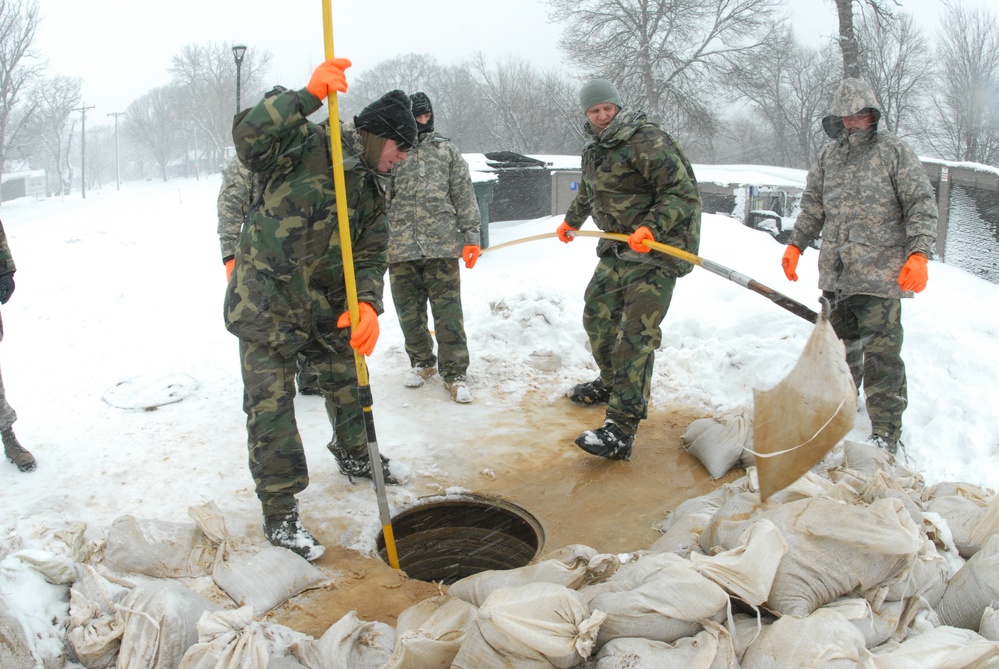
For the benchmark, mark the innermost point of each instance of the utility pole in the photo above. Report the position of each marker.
(83, 149)
(117, 170)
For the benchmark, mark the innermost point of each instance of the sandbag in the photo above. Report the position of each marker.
(684, 525)
(349, 642)
(429, 633)
(823, 640)
(15, 651)
(748, 569)
(161, 623)
(159, 548)
(95, 624)
(972, 589)
(536, 626)
(719, 443)
(989, 627)
(572, 567)
(938, 648)
(228, 640)
(709, 649)
(267, 578)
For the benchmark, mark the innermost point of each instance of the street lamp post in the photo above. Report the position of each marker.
(238, 51)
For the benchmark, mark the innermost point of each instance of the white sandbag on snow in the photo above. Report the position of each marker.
(161, 623)
(834, 549)
(938, 648)
(267, 578)
(349, 642)
(748, 569)
(159, 548)
(573, 566)
(668, 605)
(719, 442)
(429, 633)
(823, 640)
(15, 651)
(989, 627)
(684, 524)
(709, 649)
(229, 639)
(535, 626)
(972, 589)
(95, 624)
(972, 523)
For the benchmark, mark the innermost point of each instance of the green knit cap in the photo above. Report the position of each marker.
(596, 91)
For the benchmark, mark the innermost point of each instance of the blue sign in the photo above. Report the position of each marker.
(573, 185)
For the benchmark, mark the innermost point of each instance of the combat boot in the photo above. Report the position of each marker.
(608, 441)
(418, 376)
(286, 531)
(16, 453)
(590, 394)
(359, 466)
(458, 388)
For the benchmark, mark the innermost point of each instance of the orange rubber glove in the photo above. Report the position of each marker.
(230, 265)
(328, 77)
(914, 273)
(637, 237)
(563, 233)
(365, 336)
(790, 262)
(470, 254)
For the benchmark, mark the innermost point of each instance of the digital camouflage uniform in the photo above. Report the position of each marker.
(288, 286)
(634, 174)
(7, 414)
(238, 195)
(432, 214)
(869, 198)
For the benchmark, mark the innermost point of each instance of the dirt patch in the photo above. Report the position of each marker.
(577, 498)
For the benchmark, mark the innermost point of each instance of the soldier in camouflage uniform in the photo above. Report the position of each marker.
(636, 181)
(433, 219)
(239, 192)
(869, 198)
(16, 453)
(288, 295)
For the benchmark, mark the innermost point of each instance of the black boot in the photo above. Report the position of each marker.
(590, 394)
(609, 441)
(359, 466)
(16, 453)
(286, 530)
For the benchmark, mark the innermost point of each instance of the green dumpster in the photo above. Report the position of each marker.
(483, 196)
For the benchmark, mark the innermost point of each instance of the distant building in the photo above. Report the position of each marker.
(28, 183)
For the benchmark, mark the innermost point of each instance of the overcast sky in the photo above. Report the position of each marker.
(122, 48)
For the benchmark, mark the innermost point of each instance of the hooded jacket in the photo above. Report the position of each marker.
(288, 285)
(869, 198)
(634, 174)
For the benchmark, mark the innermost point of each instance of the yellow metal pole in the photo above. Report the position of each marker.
(364, 390)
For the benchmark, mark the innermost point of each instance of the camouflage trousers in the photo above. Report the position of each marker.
(277, 455)
(7, 415)
(625, 302)
(871, 330)
(437, 281)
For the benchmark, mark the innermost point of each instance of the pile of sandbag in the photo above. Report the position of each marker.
(856, 564)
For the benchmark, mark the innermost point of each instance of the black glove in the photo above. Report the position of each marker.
(6, 287)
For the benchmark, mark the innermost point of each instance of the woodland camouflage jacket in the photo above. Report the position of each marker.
(431, 203)
(634, 174)
(869, 198)
(288, 284)
(238, 193)
(6, 260)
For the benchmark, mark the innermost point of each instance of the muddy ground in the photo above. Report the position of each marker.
(577, 499)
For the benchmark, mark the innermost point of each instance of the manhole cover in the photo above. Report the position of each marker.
(445, 539)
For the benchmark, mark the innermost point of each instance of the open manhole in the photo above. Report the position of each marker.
(445, 539)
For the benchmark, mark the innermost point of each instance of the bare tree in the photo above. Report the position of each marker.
(206, 76)
(786, 86)
(52, 126)
(896, 60)
(967, 100)
(664, 54)
(18, 68)
(155, 122)
(881, 11)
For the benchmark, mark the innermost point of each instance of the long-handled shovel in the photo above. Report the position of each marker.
(364, 390)
(796, 308)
